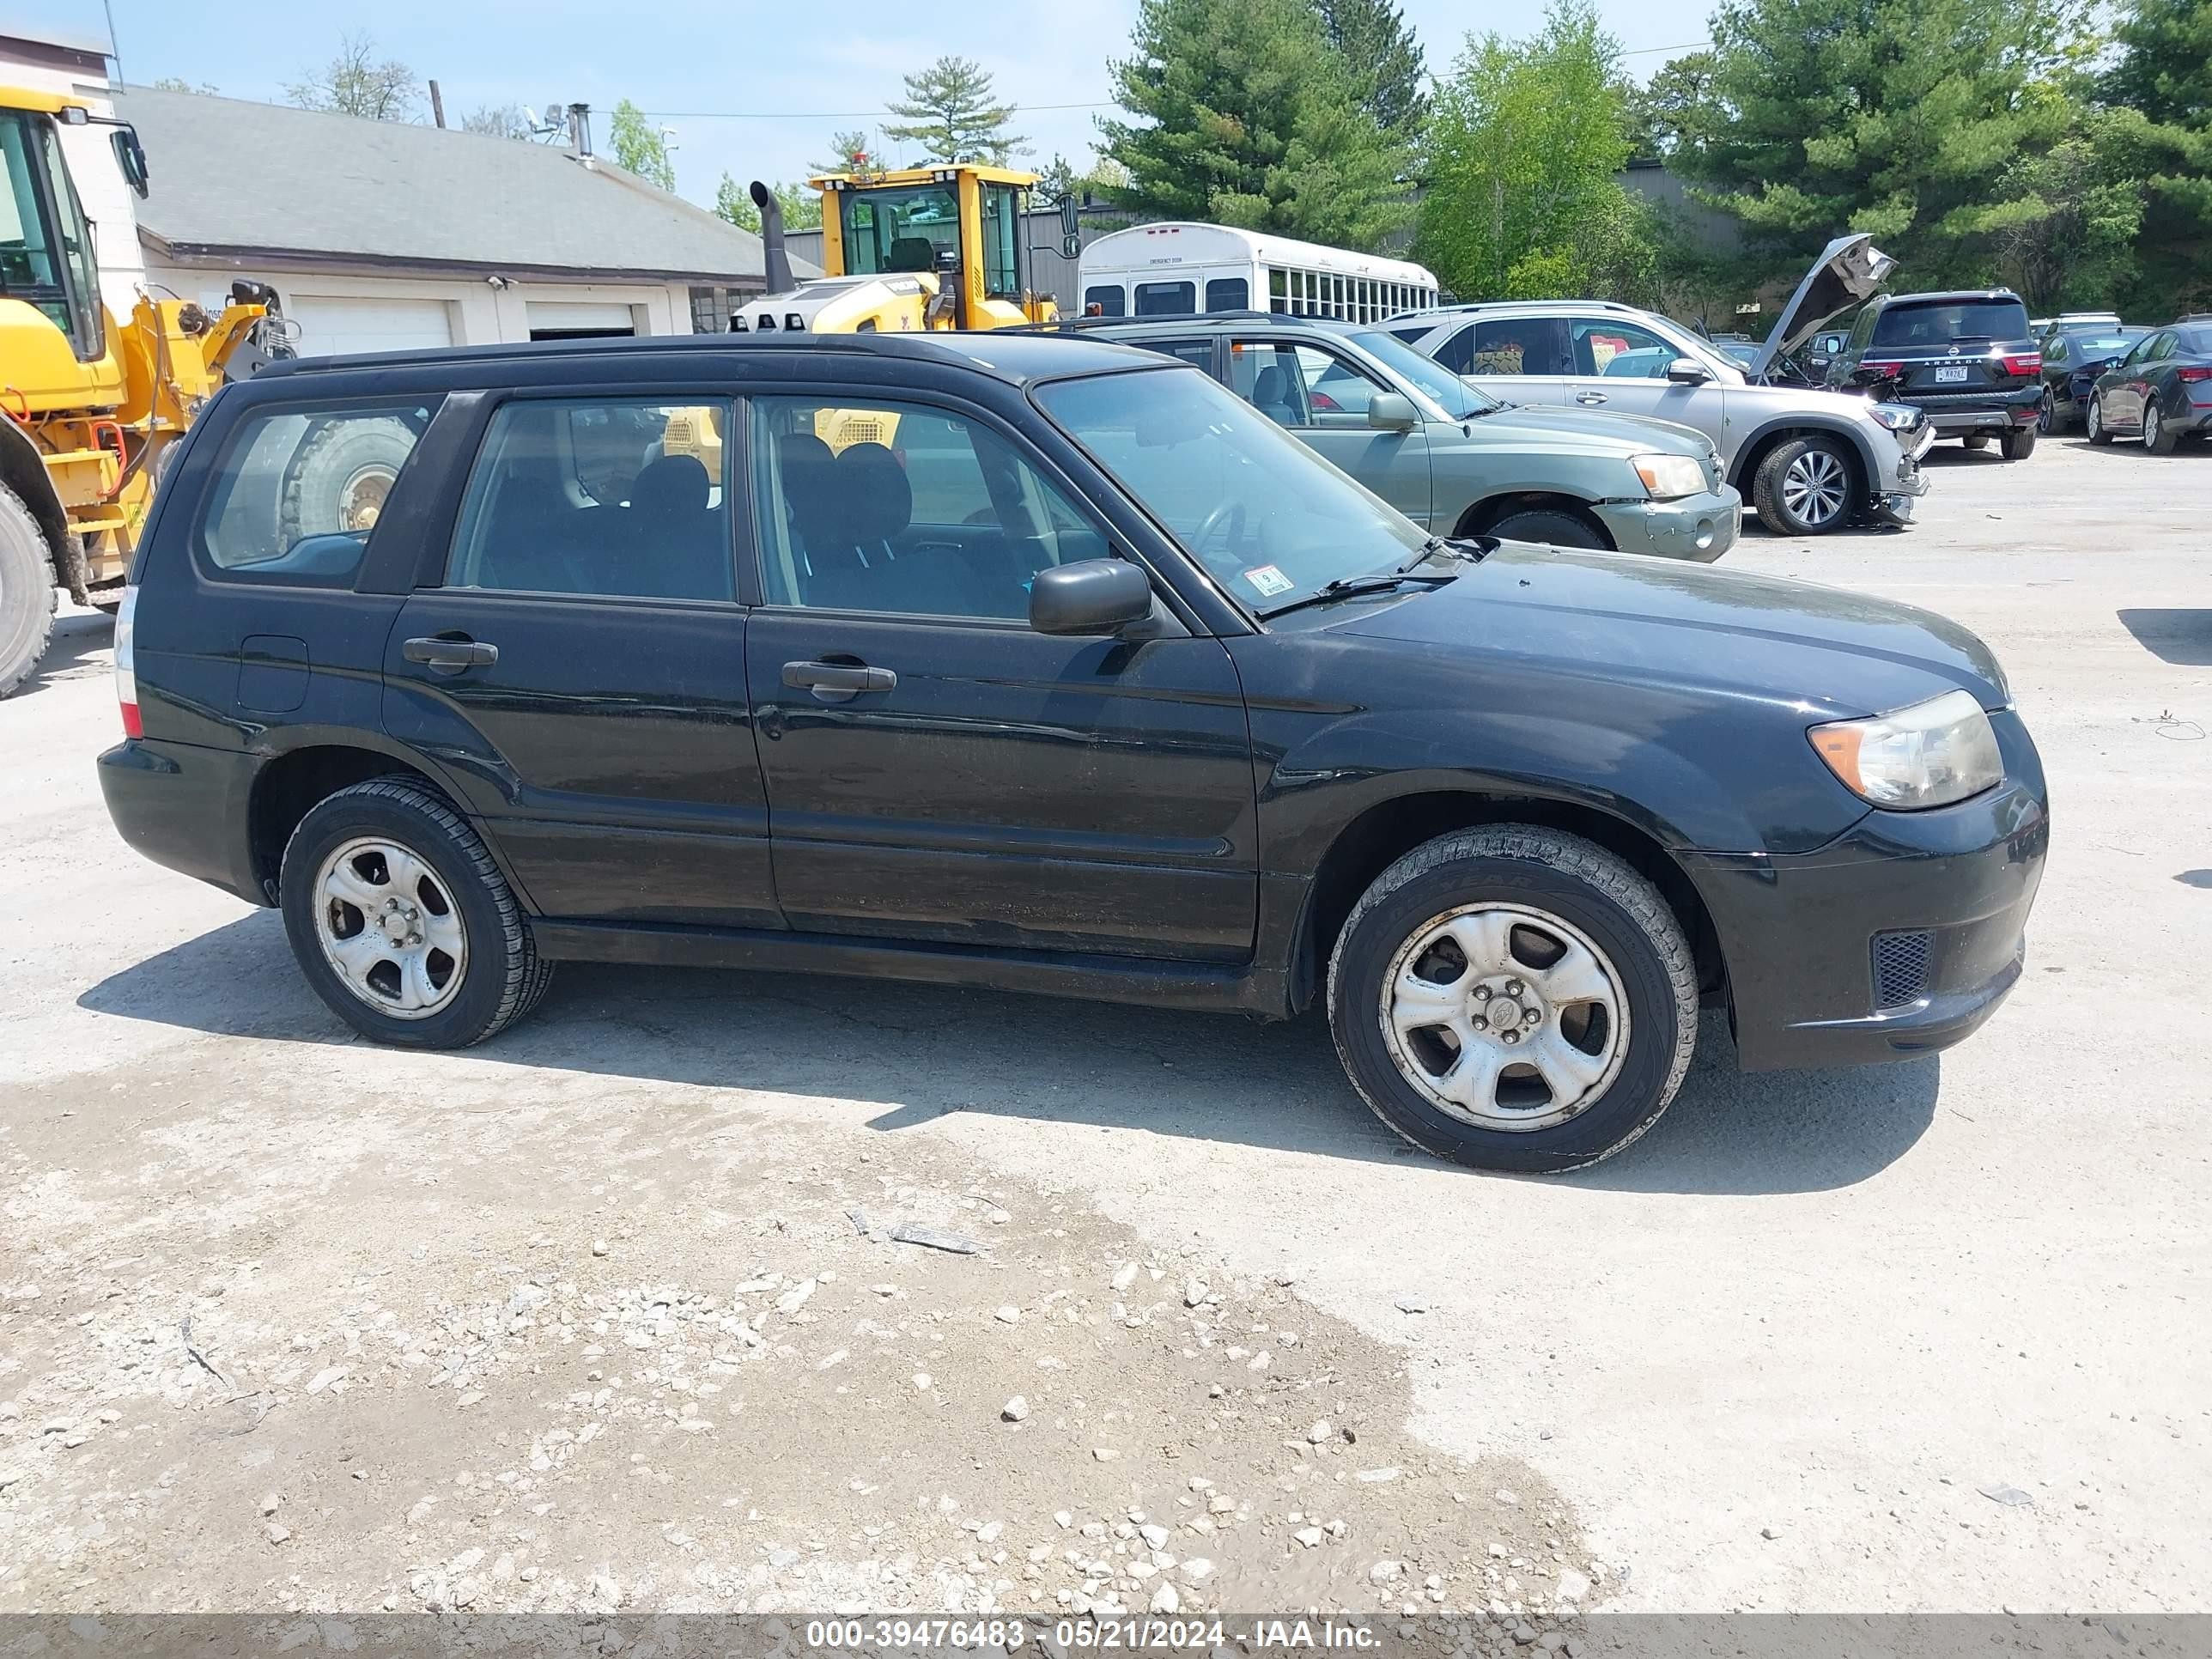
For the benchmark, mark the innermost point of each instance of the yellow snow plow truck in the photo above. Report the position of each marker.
(937, 247)
(88, 405)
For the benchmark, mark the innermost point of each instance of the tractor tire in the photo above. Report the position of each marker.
(339, 479)
(27, 592)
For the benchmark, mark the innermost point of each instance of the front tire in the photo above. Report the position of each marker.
(1592, 966)
(2099, 434)
(402, 922)
(1803, 487)
(27, 592)
(2158, 438)
(2018, 443)
(1549, 525)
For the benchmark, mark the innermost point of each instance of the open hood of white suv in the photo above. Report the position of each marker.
(1849, 270)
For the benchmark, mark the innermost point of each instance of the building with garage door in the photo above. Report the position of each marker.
(380, 236)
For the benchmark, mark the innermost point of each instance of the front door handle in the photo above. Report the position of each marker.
(1590, 397)
(447, 651)
(837, 682)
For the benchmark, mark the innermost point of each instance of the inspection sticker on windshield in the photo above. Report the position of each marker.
(1267, 581)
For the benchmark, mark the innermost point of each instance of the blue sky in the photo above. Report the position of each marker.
(798, 71)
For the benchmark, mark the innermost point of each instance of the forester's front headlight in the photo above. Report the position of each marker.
(1929, 755)
(1898, 417)
(1667, 477)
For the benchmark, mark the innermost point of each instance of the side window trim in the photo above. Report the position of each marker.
(440, 552)
(755, 553)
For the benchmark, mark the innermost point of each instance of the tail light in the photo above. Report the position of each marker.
(2195, 372)
(1888, 369)
(2025, 362)
(126, 668)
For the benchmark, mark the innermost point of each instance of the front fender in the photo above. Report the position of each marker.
(1880, 474)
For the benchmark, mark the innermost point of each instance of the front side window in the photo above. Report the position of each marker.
(1106, 300)
(1269, 520)
(1617, 350)
(608, 498)
(1002, 218)
(898, 229)
(1166, 299)
(906, 509)
(299, 491)
(1337, 393)
(1458, 399)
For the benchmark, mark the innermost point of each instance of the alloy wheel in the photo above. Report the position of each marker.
(2046, 413)
(2150, 426)
(1814, 487)
(389, 928)
(1505, 1016)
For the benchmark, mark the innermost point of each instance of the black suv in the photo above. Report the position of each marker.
(1969, 359)
(1051, 666)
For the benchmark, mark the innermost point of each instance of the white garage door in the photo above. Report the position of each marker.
(329, 325)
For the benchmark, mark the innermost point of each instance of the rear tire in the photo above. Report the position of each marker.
(495, 974)
(27, 592)
(1625, 1038)
(1804, 487)
(2049, 419)
(2099, 434)
(2159, 437)
(1547, 525)
(2018, 443)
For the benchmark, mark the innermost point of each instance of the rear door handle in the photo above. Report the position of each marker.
(1590, 396)
(448, 653)
(837, 682)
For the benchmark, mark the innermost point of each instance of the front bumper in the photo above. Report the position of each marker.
(1700, 527)
(1898, 938)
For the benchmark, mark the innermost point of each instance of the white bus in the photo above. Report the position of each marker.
(1176, 269)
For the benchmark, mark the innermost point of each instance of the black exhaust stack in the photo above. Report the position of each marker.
(775, 263)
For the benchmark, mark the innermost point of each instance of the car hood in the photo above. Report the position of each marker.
(1830, 652)
(1849, 270)
(1591, 431)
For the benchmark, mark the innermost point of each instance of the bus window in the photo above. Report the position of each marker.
(1166, 299)
(1278, 290)
(1109, 298)
(1228, 294)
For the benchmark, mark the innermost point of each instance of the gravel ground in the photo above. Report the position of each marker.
(585, 1319)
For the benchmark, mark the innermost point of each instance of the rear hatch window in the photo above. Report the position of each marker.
(1941, 323)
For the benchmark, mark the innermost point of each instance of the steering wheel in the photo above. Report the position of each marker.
(1228, 516)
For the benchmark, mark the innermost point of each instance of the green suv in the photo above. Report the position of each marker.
(1455, 459)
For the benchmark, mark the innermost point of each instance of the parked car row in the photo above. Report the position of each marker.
(1064, 666)
(2161, 391)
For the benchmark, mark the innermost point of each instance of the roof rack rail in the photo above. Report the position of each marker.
(643, 345)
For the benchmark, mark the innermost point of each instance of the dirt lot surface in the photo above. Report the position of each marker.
(587, 1319)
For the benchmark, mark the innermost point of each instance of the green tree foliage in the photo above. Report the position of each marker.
(1524, 144)
(2161, 77)
(1901, 117)
(357, 81)
(178, 83)
(951, 112)
(1668, 114)
(1239, 113)
(802, 208)
(852, 153)
(2164, 66)
(640, 147)
(2072, 241)
(1383, 60)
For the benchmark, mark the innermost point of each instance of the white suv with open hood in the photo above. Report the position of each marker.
(1810, 460)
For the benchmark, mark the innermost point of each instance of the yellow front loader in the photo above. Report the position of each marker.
(88, 405)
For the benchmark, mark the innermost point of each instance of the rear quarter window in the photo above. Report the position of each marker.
(299, 490)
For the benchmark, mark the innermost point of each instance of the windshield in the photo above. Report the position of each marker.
(46, 256)
(898, 229)
(1271, 521)
(1460, 400)
(1951, 319)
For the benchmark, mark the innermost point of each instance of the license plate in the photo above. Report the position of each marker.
(1950, 372)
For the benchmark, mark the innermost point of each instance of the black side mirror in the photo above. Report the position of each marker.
(1069, 224)
(1091, 596)
(131, 158)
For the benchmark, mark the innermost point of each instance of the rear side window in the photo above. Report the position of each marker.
(1509, 345)
(1942, 323)
(1198, 353)
(613, 498)
(299, 491)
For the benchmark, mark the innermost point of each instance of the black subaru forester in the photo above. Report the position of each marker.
(1043, 665)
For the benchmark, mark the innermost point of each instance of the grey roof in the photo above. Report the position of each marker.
(234, 179)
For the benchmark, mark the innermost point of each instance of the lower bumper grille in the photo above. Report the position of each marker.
(1900, 968)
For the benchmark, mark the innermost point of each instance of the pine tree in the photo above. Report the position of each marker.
(640, 147)
(1383, 60)
(851, 153)
(952, 113)
(1242, 115)
(2160, 89)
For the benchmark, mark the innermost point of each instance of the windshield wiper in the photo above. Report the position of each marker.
(1344, 587)
(1472, 549)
